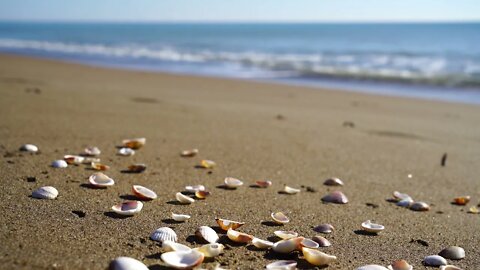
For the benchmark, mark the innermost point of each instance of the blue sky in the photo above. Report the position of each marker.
(241, 10)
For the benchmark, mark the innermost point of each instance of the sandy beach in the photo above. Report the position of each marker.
(294, 136)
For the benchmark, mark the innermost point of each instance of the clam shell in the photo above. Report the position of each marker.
(99, 166)
(453, 253)
(290, 190)
(126, 152)
(239, 237)
(434, 260)
(226, 224)
(202, 194)
(473, 210)
(407, 202)
(211, 250)
(324, 228)
(261, 244)
(370, 227)
(231, 182)
(193, 189)
(164, 234)
(47, 192)
(29, 148)
(91, 151)
(450, 267)
(136, 143)
(287, 246)
(183, 199)
(285, 234)
(182, 259)
(59, 164)
(400, 265)
(207, 164)
(143, 192)
(89, 160)
(208, 234)
(400, 196)
(126, 263)
(322, 241)
(282, 265)
(128, 208)
(263, 183)
(137, 168)
(309, 243)
(462, 200)
(73, 159)
(420, 206)
(335, 197)
(189, 153)
(180, 217)
(372, 267)
(317, 257)
(333, 182)
(100, 180)
(280, 218)
(168, 245)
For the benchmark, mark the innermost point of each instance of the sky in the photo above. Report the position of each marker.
(241, 10)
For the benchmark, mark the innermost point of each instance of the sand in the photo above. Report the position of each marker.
(293, 136)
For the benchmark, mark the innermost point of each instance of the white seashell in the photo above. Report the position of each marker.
(370, 227)
(231, 182)
(282, 265)
(453, 253)
(420, 206)
(168, 245)
(372, 267)
(91, 151)
(207, 164)
(29, 148)
(407, 202)
(127, 263)
(46, 192)
(208, 234)
(226, 224)
(134, 143)
(239, 237)
(317, 257)
(126, 151)
(261, 244)
(434, 260)
(335, 197)
(73, 159)
(183, 199)
(90, 160)
(309, 243)
(322, 241)
(324, 228)
(182, 259)
(180, 217)
(287, 246)
(100, 180)
(290, 190)
(450, 267)
(401, 196)
(285, 234)
(333, 182)
(143, 192)
(211, 250)
(400, 265)
(189, 153)
(59, 164)
(193, 189)
(128, 208)
(163, 234)
(280, 218)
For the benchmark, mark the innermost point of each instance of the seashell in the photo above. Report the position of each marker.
(463, 200)
(100, 180)
(59, 164)
(450, 267)
(324, 228)
(282, 265)
(263, 184)
(183, 199)
(163, 234)
(180, 217)
(371, 267)
(182, 259)
(287, 246)
(335, 197)
(290, 190)
(73, 159)
(189, 153)
(322, 241)
(280, 218)
(169, 245)
(207, 164)
(452, 253)
(193, 189)
(309, 243)
(400, 265)
(370, 227)
(99, 166)
(136, 143)
(420, 206)
(333, 182)
(239, 237)
(400, 196)
(202, 194)
(285, 234)
(126, 263)
(91, 151)
(261, 244)
(226, 224)
(317, 257)
(208, 234)
(473, 210)
(128, 208)
(126, 151)
(143, 192)
(434, 260)
(47, 192)
(137, 168)
(233, 183)
(407, 202)
(29, 148)
(211, 250)
(89, 160)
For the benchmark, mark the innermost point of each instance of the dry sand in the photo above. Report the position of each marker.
(291, 135)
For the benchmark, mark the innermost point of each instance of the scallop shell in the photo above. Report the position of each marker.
(99, 166)
(124, 151)
(193, 189)
(231, 182)
(168, 245)
(400, 265)
(450, 267)
(420, 206)
(137, 168)
(207, 164)
(261, 244)
(164, 234)
(462, 200)
(453, 253)
(126, 263)
(322, 241)
(335, 197)
(239, 237)
(309, 243)
(202, 194)
(29, 148)
(143, 192)
(128, 208)
(211, 250)
(59, 164)
(280, 218)
(434, 260)
(290, 190)
(226, 224)
(333, 182)
(317, 257)
(136, 143)
(370, 227)
(91, 151)
(189, 153)
(282, 265)
(183, 199)
(287, 246)
(180, 217)
(182, 259)
(371, 267)
(285, 234)
(208, 234)
(47, 192)
(324, 228)
(263, 183)
(100, 180)
(73, 159)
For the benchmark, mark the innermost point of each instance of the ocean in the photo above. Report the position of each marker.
(433, 61)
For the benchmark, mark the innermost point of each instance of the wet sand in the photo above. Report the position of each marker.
(293, 136)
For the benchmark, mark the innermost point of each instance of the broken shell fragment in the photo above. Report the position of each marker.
(370, 227)
(333, 182)
(182, 259)
(420, 206)
(59, 164)
(189, 153)
(47, 192)
(202, 194)
(183, 199)
(143, 192)
(317, 257)
(126, 151)
(137, 168)
(324, 228)
(169, 245)
(335, 197)
(163, 234)
(239, 237)
(280, 218)
(285, 234)
(453, 253)
(232, 183)
(29, 148)
(282, 265)
(207, 234)
(450, 267)
(434, 260)
(128, 208)
(211, 250)
(180, 217)
(309, 243)
(290, 190)
(400, 265)
(73, 159)
(136, 143)
(126, 263)
(473, 210)
(99, 166)
(287, 246)
(263, 184)
(226, 224)
(207, 164)
(91, 151)
(463, 200)
(322, 241)
(100, 180)
(261, 244)
(371, 267)
(193, 189)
